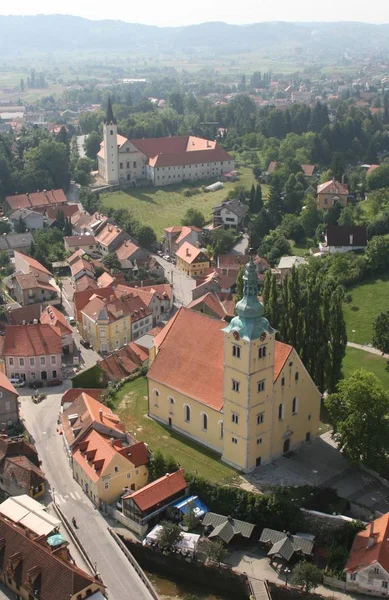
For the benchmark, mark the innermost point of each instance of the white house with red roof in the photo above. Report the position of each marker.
(159, 161)
(31, 281)
(331, 192)
(232, 387)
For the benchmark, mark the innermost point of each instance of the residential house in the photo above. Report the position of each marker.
(232, 387)
(35, 568)
(226, 528)
(32, 219)
(344, 238)
(31, 282)
(13, 242)
(72, 394)
(85, 282)
(83, 223)
(110, 323)
(81, 299)
(144, 508)
(266, 175)
(155, 268)
(53, 317)
(310, 172)
(212, 305)
(106, 279)
(159, 161)
(231, 214)
(109, 238)
(9, 408)
(21, 316)
(83, 242)
(123, 362)
(164, 294)
(177, 235)
(285, 546)
(32, 352)
(105, 459)
(20, 471)
(370, 169)
(77, 254)
(130, 255)
(27, 264)
(367, 567)
(288, 263)
(68, 211)
(191, 260)
(330, 193)
(82, 267)
(37, 201)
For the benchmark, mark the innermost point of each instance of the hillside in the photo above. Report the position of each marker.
(59, 33)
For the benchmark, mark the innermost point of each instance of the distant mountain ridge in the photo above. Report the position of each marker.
(65, 33)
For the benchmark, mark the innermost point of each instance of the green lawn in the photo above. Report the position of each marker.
(131, 406)
(359, 359)
(368, 299)
(299, 248)
(164, 207)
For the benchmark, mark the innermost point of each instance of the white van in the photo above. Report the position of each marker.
(17, 382)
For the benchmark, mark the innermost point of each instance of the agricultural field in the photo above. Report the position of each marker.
(163, 207)
(367, 300)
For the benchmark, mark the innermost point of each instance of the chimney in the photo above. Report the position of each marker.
(351, 239)
(111, 441)
(100, 414)
(370, 541)
(187, 252)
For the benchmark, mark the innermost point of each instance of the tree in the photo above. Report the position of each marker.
(20, 226)
(90, 201)
(260, 227)
(111, 262)
(359, 411)
(145, 235)
(92, 145)
(255, 202)
(193, 217)
(6, 227)
(46, 166)
(377, 254)
(169, 535)
(274, 204)
(274, 245)
(222, 241)
(307, 575)
(310, 216)
(190, 520)
(215, 551)
(291, 228)
(379, 178)
(381, 332)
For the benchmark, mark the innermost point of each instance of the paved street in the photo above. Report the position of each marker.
(182, 284)
(242, 246)
(41, 421)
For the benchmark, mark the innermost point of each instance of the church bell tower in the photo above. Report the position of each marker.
(111, 151)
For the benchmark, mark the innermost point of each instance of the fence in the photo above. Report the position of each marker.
(136, 527)
(336, 583)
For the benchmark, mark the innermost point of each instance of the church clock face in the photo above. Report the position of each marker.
(236, 335)
(262, 337)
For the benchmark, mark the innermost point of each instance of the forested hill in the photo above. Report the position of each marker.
(57, 33)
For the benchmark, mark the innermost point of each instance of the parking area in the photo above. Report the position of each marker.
(319, 463)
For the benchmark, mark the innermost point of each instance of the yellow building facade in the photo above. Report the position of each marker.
(241, 393)
(105, 336)
(191, 260)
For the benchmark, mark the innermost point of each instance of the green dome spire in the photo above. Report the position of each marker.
(249, 322)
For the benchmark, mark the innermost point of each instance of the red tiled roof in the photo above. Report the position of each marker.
(272, 167)
(217, 154)
(26, 474)
(121, 300)
(25, 313)
(75, 256)
(161, 289)
(81, 299)
(108, 234)
(53, 317)
(59, 579)
(80, 265)
(33, 263)
(31, 340)
(371, 169)
(5, 384)
(308, 170)
(79, 240)
(159, 491)
(190, 357)
(68, 210)
(36, 199)
(191, 254)
(72, 393)
(332, 187)
(211, 300)
(126, 250)
(362, 555)
(85, 283)
(171, 145)
(120, 363)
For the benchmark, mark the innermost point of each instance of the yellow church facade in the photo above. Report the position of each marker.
(233, 387)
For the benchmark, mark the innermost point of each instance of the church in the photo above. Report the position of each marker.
(233, 387)
(158, 161)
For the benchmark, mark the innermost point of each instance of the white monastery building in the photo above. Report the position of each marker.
(159, 161)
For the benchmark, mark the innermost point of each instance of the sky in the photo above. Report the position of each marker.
(184, 12)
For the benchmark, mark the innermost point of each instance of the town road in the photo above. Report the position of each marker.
(41, 421)
(182, 284)
(242, 246)
(80, 143)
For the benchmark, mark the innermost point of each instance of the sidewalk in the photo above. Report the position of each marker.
(367, 348)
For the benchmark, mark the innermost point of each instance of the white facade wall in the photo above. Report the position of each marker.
(111, 163)
(30, 368)
(229, 218)
(374, 580)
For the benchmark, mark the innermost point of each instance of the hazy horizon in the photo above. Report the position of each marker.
(173, 14)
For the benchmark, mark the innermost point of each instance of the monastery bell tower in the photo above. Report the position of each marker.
(111, 153)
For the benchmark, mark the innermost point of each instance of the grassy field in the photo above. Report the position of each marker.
(368, 299)
(131, 406)
(359, 359)
(299, 248)
(162, 208)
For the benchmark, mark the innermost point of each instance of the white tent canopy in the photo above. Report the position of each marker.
(188, 543)
(31, 514)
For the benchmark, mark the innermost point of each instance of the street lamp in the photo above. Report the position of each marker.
(287, 571)
(353, 332)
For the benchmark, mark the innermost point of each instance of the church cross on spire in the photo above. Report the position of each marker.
(109, 118)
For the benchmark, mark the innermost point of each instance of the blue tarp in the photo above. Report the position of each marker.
(56, 540)
(192, 503)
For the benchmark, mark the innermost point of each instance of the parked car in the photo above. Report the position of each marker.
(71, 320)
(54, 382)
(17, 382)
(160, 253)
(85, 343)
(166, 257)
